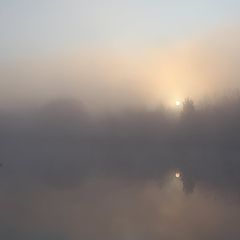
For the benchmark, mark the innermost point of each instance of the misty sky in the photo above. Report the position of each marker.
(51, 26)
(148, 51)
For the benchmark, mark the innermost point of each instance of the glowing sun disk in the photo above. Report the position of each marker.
(178, 103)
(177, 174)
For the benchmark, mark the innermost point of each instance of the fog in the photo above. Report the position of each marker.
(69, 174)
(90, 141)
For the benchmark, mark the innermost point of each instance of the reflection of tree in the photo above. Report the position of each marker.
(189, 136)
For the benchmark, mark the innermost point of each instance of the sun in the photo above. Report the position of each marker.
(177, 174)
(177, 103)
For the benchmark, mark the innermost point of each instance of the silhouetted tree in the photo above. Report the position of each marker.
(188, 109)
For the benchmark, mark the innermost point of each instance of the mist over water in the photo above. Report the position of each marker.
(69, 174)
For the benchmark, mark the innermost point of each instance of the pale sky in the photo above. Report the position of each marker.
(50, 26)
